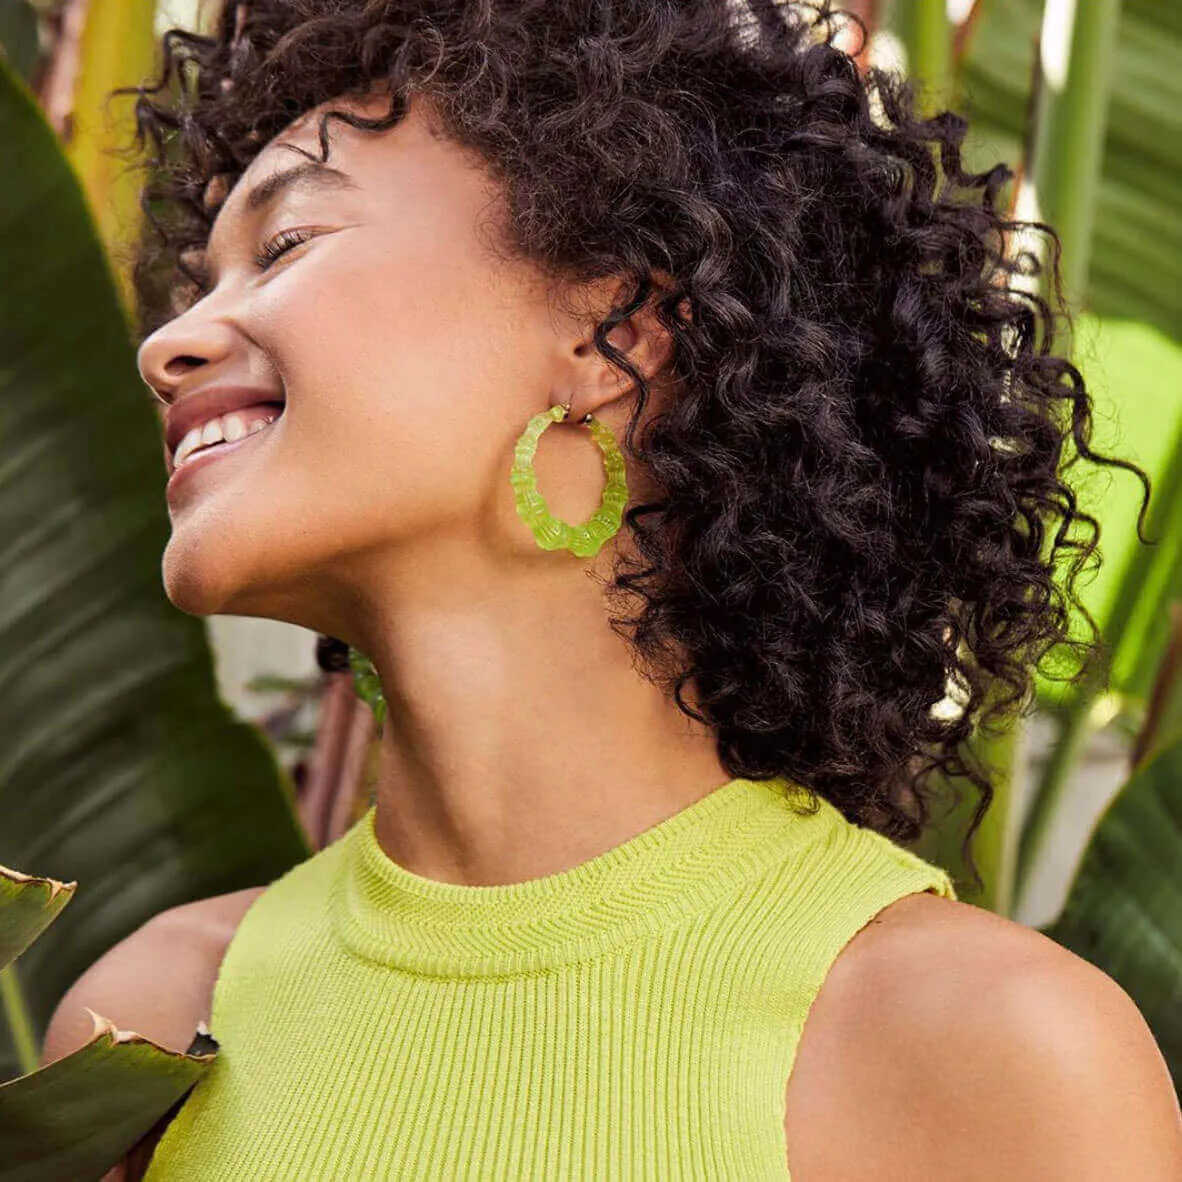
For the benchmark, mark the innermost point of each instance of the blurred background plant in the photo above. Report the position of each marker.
(150, 756)
(156, 758)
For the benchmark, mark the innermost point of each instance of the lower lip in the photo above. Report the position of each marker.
(203, 459)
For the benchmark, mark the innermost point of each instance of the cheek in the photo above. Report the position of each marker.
(399, 413)
(404, 401)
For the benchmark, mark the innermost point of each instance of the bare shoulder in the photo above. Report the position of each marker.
(157, 981)
(948, 1041)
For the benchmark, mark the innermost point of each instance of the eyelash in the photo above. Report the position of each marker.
(278, 245)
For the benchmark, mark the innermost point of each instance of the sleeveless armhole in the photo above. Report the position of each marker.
(238, 938)
(862, 872)
(165, 1146)
(234, 967)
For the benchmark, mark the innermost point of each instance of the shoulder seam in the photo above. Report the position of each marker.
(909, 860)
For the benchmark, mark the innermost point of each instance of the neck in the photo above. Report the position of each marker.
(520, 740)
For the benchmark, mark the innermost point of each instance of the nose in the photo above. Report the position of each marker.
(194, 340)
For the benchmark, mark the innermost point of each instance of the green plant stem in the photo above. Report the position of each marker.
(994, 845)
(1038, 828)
(998, 831)
(926, 34)
(1077, 48)
(20, 1025)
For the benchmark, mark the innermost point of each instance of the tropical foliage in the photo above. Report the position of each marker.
(122, 770)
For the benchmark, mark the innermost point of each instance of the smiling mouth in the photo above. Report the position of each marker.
(206, 454)
(222, 430)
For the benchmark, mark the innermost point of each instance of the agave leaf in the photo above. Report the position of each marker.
(120, 768)
(28, 905)
(1124, 910)
(76, 1117)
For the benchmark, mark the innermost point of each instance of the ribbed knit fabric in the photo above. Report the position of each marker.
(634, 1017)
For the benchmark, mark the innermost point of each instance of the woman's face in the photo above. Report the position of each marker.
(408, 357)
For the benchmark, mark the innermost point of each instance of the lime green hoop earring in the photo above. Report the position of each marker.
(585, 540)
(366, 683)
(551, 533)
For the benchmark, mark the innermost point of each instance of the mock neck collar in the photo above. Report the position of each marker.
(387, 914)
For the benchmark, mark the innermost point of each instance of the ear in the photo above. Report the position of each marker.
(593, 380)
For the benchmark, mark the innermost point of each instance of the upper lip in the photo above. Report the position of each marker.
(197, 408)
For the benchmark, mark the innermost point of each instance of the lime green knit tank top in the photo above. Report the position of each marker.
(634, 1017)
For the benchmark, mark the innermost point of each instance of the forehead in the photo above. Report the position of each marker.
(412, 168)
(349, 148)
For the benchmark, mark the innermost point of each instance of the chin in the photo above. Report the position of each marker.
(202, 582)
(229, 577)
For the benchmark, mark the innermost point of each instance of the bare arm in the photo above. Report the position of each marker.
(953, 1043)
(126, 984)
(158, 981)
(135, 984)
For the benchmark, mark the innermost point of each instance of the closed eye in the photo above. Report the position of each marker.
(278, 245)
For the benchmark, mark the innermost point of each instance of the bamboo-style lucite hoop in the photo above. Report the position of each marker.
(585, 540)
(552, 533)
(366, 683)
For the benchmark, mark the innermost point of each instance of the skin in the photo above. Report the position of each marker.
(379, 508)
(945, 1042)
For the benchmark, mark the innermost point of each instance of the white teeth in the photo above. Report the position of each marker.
(189, 444)
(227, 429)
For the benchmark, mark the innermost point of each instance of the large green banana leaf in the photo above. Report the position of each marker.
(120, 767)
(19, 39)
(1124, 911)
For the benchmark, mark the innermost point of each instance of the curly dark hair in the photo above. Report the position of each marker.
(862, 469)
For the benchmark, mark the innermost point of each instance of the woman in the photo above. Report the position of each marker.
(643, 787)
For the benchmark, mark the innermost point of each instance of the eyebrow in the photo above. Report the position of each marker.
(310, 173)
